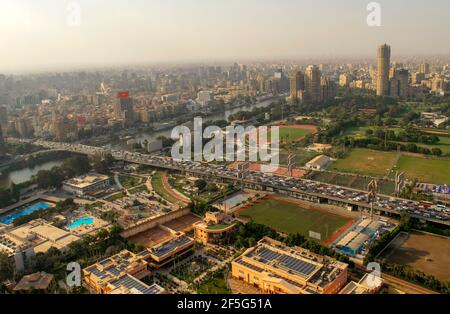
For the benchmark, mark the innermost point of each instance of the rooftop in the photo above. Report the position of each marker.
(120, 274)
(127, 284)
(86, 180)
(36, 281)
(171, 246)
(294, 266)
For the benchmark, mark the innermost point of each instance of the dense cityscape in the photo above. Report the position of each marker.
(94, 201)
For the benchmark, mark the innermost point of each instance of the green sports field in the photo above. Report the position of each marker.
(159, 188)
(288, 217)
(366, 161)
(426, 170)
(291, 134)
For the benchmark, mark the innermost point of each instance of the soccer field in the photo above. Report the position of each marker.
(366, 161)
(426, 170)
(289, 217)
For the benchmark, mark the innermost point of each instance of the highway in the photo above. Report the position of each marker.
(298, 188)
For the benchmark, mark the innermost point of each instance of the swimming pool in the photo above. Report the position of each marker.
(9, 219)
(82, 221)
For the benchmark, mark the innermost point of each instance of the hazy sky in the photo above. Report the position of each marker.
(35, 35)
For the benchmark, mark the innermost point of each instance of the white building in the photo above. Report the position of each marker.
(204, 97)
(86, 184)
(318, 163)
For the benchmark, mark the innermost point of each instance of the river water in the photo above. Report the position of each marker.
(151, 136)
(23, 175)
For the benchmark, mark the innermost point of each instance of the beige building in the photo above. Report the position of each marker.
(119, 274)
(312, 84)
(38, 282)
(319, 162)
(297, 83)
(275, 268)
(86, 184)
(384, 59)
(369, 284)
(36, 236)
(214, 228)
(345, 80)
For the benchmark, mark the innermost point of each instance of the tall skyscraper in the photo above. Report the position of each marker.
(424, 68)
(403, 82)
(3, 116)
(384, 60)
(398, 83)
(312, 83)
(2, 143)
(327, 90)
(123, 108)
(297, 83)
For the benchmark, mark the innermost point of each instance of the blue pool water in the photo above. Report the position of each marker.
(82, 221)
(9, 219)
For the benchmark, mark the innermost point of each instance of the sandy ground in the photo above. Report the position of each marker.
(422, 251)
(151, 237)
(184, 223)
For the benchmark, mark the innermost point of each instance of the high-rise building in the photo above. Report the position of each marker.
(403, 81)
(417, 78)
(23, 127)
(123, 108)
(3, 116)
(384, 57)
(65, 129)
(2, 143)
(424, 68)
(345, 79)
(438, 84)
(297, 83)
(327, 90)
(398, 83)
(393, 83)
(312, 84)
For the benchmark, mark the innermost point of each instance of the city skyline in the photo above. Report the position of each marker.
(199, 31)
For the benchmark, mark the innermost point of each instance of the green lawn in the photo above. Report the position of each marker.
(291, 218)
(161, 191)
(129, 181)
(366, 161)
(443, 144)
(426, 170)
(352, 181)
(302, 156)
(218, 227)
(291, 134)
(116, 196)
(360, 131)
(214, 284)
(141, 188)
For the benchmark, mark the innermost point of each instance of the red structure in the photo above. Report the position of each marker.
(123, 94)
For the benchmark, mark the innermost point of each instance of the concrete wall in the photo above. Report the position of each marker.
(145, 225)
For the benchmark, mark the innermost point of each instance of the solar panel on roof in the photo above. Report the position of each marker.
(297, 265)
(98, 273)
(240, 261)
(114, 271)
